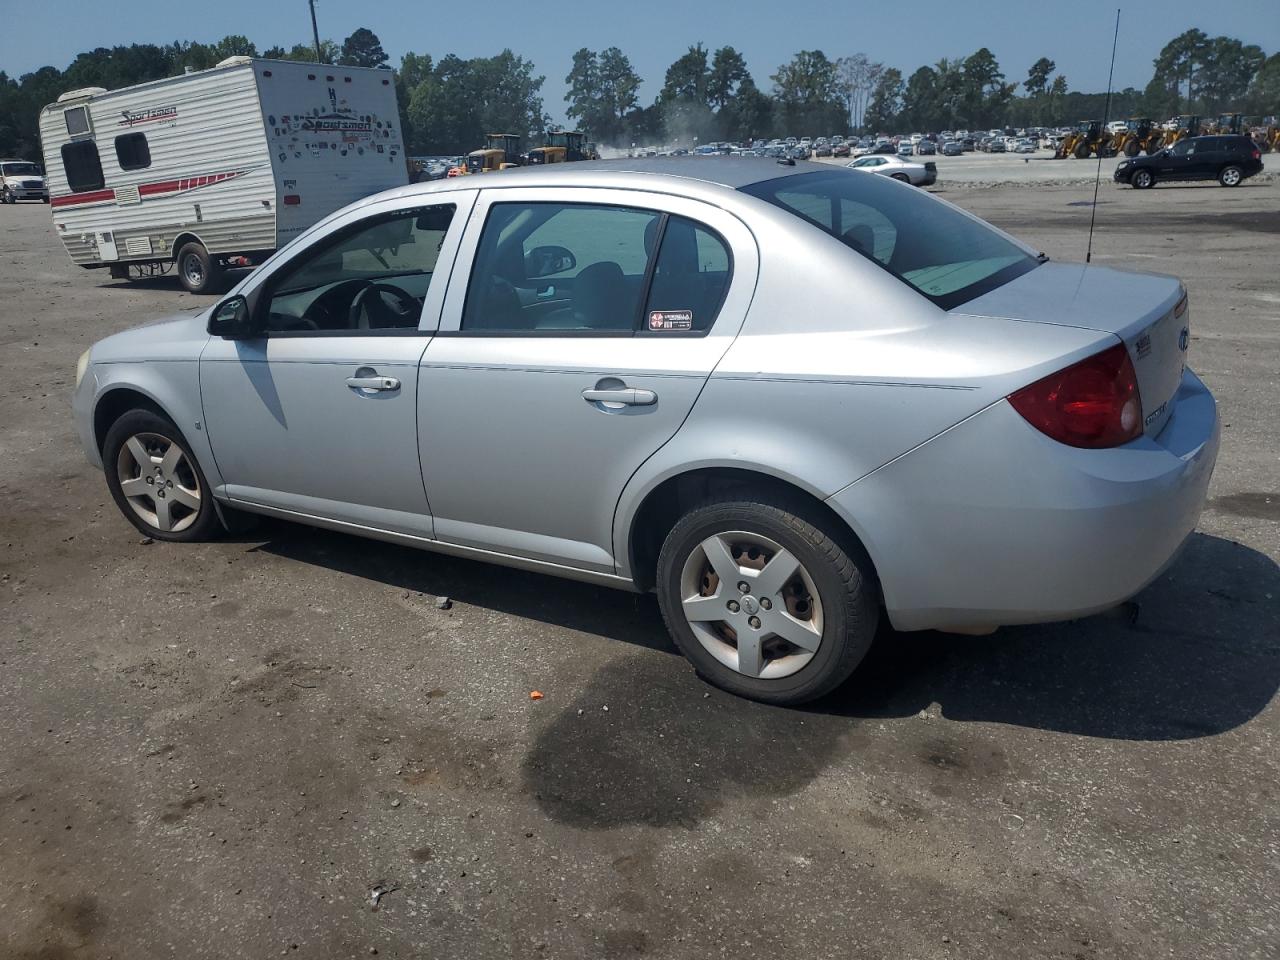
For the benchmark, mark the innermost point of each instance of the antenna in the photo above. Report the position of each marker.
(1106, 116)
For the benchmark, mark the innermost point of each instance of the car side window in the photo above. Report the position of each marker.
(1184, 148)
(690, 279)
(371, 277)
(560, 267)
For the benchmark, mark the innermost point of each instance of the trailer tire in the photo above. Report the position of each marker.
(197, 271)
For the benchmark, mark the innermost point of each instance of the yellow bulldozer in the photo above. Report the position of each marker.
(501, 151)
(1085, 139)
(1140, 133)
(1228, 123)
(1188, 126)
(562, 146)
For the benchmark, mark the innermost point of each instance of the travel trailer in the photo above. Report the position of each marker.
(216, 168)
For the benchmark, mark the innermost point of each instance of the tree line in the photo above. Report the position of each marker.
(448, 105)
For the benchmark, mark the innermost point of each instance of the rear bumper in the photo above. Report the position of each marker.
(992, 523)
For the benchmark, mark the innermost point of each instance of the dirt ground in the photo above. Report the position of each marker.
(224, 750)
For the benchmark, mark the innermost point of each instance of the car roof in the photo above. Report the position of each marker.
(640, 172)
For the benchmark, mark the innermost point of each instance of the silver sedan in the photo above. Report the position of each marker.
(895, 167)
(628, 372)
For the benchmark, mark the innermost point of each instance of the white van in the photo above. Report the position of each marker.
(215, 168)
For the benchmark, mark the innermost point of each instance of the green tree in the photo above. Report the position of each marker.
(234, 46)
(985, 96)
(453, 108)
(1264, 91)
(688, 78)
(1037, 82)
(1177, 62)
(885, 103)
(1226, 71)
(363, 49)
(749, 115)
(922, 106)
(602, 92)
(808, 93)
(728, 71)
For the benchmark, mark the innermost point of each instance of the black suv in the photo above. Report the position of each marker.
(1227, 159)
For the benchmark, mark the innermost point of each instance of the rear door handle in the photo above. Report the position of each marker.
(627, 396)
(374, 384)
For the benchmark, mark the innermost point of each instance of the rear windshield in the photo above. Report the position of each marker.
(943, 254)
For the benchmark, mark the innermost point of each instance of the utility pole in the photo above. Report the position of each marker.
(315, 31)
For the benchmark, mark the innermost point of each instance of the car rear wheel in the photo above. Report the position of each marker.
(901, 176)
(764, 602)
(155, 480)
(1142, 179)
(1231, 176)
(196, 269)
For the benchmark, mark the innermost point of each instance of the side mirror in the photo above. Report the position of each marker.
(230, 319)
(548, 261)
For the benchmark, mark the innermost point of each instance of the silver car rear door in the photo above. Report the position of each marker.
(528, 437)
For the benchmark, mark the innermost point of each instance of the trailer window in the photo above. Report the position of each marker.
(132, 151)
(77, 119)
(84, 169)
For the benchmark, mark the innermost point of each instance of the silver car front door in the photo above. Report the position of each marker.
(554, 375)
(316, 413)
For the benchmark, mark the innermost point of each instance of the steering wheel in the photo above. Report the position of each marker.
(373, 312)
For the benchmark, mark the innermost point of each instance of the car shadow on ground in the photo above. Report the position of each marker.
(1201, 658)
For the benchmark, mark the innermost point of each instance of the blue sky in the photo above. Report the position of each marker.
(1074, 33)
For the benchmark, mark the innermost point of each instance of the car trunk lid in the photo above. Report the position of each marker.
(1148, 312)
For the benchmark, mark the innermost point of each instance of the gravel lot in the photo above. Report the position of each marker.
(222, 750)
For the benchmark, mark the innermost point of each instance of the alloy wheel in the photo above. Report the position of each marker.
(751, 604)
(1230, 176)
(158, 481)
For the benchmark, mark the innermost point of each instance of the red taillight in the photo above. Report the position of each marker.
(292, 200)
(1093, 403)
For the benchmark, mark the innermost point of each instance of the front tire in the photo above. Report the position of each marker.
(6, 196)
(805, 620)
(156, 481)
(1230, 176)
(1142, 180)
(197, 271)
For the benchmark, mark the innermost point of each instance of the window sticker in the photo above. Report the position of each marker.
(671, 320)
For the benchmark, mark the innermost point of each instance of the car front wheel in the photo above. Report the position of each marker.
(764, 602)
(1142, 179)
(155, 480)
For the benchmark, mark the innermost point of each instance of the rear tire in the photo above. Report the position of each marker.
(900, 177)
(828, 602)
(1132, 148)
(1230, 176)
(196, 270)
(155, 479)
(1142, 180)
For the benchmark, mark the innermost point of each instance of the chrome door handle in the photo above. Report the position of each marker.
(628, 396)
(373, 383)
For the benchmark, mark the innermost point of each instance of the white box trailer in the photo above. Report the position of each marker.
(218, 167)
